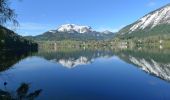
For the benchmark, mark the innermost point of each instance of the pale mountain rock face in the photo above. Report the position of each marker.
(71, 28)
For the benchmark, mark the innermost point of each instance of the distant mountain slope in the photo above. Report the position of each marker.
(154, 23)
(72, 32)
(10, 40)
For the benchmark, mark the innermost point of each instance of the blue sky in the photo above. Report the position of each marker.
(38, 16)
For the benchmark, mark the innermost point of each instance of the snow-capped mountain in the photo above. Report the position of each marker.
(72, 32)
(150, 21)
(71, 28)
(161, 16)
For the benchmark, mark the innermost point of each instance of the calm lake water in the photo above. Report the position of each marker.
(86, 74)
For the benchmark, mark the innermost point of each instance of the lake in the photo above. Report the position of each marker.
(86, 74)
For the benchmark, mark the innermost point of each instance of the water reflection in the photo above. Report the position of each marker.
(22, 93)
(73, 57)
(108, 74)
(153, 61)
(8, 58)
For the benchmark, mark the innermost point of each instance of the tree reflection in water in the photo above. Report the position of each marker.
(21, 93)
(8, 58)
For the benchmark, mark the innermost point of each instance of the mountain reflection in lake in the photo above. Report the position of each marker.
(89, 74)
(71, 58)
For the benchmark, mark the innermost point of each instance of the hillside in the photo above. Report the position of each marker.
(156, 23)
(10, 40)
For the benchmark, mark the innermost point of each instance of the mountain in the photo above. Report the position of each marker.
(107, 32)
(72, 28)
(154, 23)
(72, 32)
(10, 40)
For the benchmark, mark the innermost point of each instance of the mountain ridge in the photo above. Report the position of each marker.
(72, 32)
(71, 28)
(146, 25)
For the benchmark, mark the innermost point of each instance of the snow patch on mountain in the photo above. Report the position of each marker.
(71, 28)
(52, 31)
(160, 16)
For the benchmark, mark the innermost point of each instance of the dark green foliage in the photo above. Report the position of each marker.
(10, 40)
(6, 13)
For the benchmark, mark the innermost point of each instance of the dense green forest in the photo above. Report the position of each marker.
(10, 40)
